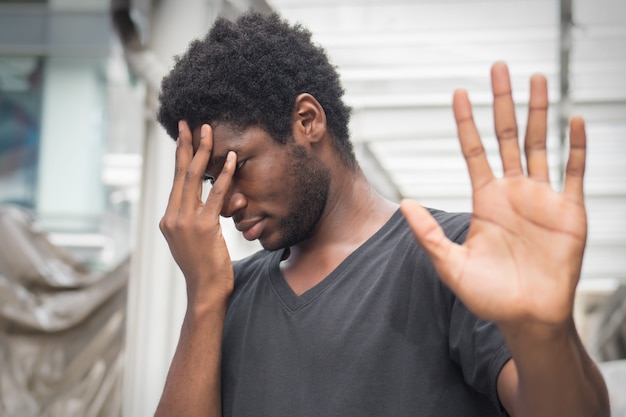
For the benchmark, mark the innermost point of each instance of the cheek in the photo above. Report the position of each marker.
(275, 184)
(271, 180)
(273, 189)
(262, 192)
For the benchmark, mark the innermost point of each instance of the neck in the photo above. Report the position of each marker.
(354, 212)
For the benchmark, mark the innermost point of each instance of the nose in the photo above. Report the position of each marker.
(233, 202)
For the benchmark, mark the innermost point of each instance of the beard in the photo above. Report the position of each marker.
(308, 183)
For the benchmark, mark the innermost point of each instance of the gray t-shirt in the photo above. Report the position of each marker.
(379, 336)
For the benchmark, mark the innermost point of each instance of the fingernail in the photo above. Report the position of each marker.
(203, 131)
(180, 126)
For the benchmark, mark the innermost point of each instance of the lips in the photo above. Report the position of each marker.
(250, 228)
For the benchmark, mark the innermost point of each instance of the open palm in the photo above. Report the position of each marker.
(522, 258)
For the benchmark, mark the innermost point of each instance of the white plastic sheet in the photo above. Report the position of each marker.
(61, 327)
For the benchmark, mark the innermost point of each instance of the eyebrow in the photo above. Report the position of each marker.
(220, 160)
(215, 165)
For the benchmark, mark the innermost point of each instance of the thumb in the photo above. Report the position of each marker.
(431, 237)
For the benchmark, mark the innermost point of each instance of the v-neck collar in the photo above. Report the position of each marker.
(294, 302)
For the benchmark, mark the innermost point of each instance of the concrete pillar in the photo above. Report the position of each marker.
(157, 301)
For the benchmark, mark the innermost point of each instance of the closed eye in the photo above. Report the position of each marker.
(209, 178)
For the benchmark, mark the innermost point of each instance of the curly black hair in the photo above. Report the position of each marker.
(249, 73)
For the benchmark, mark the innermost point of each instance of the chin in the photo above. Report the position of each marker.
(277, 242)
(271, 248)
(271, 245)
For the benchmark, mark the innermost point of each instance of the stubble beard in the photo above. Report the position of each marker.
(308, 183)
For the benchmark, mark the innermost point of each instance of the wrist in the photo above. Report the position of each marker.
(539, 343)
(530, 332)
(208, 301)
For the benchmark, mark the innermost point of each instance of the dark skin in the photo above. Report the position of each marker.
(518, 267)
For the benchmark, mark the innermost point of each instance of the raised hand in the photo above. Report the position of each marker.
(522, 258)
(191, 226)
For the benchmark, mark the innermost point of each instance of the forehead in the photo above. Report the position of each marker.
(224, 135)
(228, 138)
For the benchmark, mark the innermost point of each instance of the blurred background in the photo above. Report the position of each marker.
(91, 302)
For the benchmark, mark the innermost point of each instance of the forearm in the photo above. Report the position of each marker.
(556, 376)
(193, 385)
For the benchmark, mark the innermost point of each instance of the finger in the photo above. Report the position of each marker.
(184, 155)
(471, 146)
(575, 170)
(192, 187)
(536, 130)
(217, 195)
(505, 123)
(443, 252)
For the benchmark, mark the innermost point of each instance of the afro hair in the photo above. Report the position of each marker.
(249, 73)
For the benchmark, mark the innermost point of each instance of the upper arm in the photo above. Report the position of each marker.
(507, 385)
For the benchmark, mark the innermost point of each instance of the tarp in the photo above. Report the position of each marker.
(61, 327)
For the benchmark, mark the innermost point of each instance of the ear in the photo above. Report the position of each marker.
(309, 119)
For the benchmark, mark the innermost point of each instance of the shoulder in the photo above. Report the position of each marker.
(455, 225)
(412, 261)
(396, 236)
(396, 246)
(251, 265)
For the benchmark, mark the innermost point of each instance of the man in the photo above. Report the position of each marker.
(344, 313)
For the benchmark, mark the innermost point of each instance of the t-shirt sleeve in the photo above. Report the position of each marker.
(476, 345)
